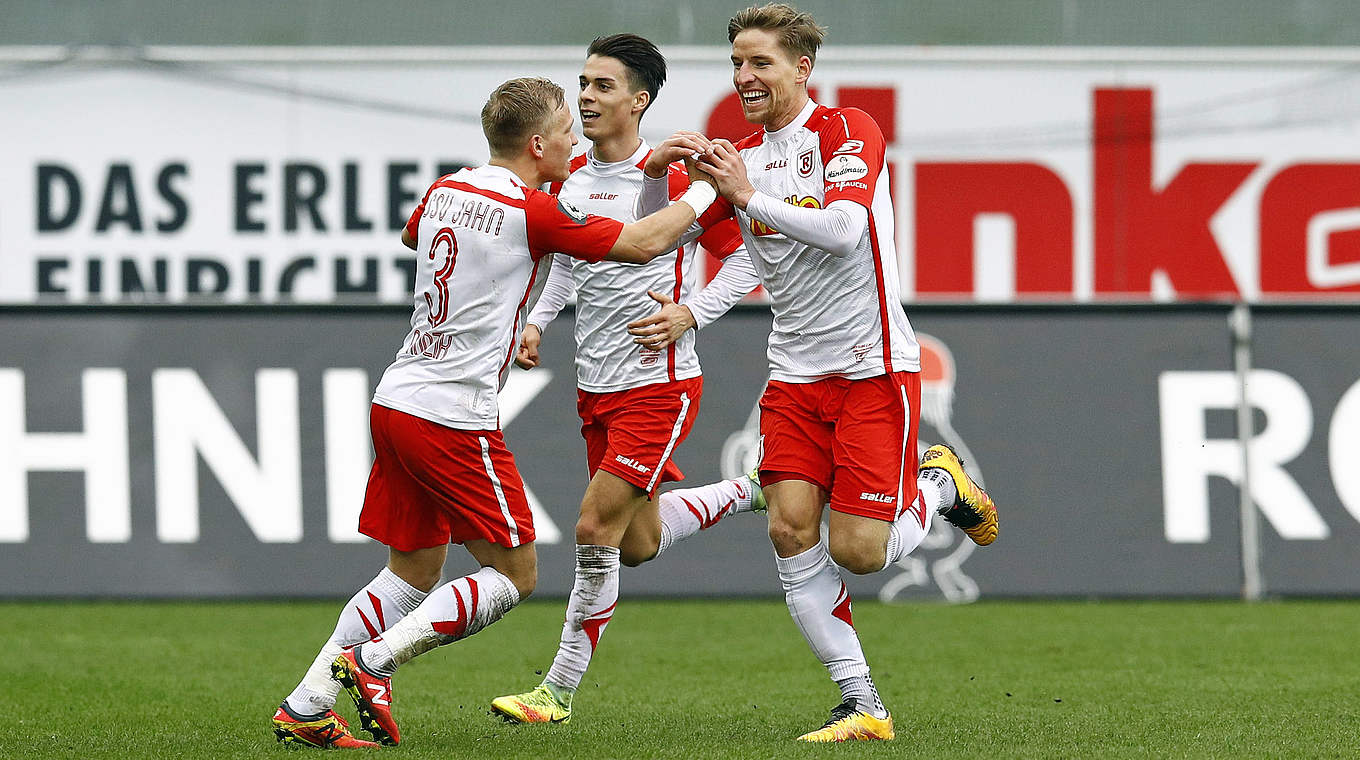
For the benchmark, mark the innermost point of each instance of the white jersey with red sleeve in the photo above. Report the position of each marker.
(611, 294)
(483, 240)
(835, 314)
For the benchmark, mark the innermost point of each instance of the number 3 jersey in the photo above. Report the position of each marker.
(482, 252)
(834, 315)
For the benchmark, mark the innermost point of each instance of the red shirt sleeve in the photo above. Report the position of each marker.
(721, 237)
(413, 224)
(852, 156)
(555, 226)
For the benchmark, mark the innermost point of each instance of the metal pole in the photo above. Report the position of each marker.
(1253, 584)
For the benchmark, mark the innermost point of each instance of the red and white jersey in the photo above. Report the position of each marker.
(611, 294)
(482, 238)
(833, 315)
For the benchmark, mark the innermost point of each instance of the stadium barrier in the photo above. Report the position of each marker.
(222, 451)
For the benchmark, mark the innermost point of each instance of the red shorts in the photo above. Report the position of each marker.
(633, 433)
(854, 438)
(433, 485)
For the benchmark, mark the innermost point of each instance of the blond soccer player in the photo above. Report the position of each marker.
(840, 414)
(442, 473)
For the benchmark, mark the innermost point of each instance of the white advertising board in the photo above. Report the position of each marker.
(251, 175)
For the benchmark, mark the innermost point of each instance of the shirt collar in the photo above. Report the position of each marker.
(787, 130)
(600, 167)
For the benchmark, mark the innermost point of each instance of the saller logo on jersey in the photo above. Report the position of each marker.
(844, 168)
(576, 214)
(881, 498)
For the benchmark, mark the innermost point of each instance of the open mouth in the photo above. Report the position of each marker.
(754, 97)
(588, 117)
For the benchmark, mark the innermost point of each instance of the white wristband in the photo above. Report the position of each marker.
(699, 196)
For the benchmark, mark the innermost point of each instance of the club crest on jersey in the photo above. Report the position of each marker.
(575, 214)
(846, 168)
(805, 163)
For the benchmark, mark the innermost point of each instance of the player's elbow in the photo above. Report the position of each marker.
(845, 245)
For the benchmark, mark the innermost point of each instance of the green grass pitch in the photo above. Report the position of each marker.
(719, 679)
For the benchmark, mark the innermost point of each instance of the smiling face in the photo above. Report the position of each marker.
(607, 100)
(772, 82)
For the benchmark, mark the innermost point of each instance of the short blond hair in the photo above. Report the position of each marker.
(797, 31)
(517, 109)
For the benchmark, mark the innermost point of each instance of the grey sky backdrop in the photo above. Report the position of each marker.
(684, 22)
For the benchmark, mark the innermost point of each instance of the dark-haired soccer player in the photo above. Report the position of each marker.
(840, 414)
(636, 403)
(442, 473)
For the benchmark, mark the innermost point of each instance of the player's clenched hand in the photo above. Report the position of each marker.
(725, 165)
(698, 175)
(664, 327)
(674, 148)
(526, 357)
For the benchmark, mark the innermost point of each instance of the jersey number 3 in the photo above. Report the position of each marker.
(437, 297)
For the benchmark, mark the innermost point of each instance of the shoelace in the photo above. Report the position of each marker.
(840, 712)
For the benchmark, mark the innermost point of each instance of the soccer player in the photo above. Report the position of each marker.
(840, 414)
(636, 403)
(442, 473)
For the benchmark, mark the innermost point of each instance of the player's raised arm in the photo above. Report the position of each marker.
(653, 235)
(836, 229)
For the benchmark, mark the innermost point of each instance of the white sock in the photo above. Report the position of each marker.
(820, 606)
(686, 511)
(375, 608)
(589, 609)
(937, 489)
(910, 528)
(861, 691)
(451, 612)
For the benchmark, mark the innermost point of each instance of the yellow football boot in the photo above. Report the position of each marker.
(537, 706)
(850, 724)
(973, 510)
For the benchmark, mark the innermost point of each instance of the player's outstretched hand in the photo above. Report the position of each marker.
(674, 148)
(526, 357)
(664, 327)
(724, 164)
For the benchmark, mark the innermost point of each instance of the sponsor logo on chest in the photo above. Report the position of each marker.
(761, 229)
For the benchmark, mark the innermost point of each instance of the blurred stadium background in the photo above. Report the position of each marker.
(1114, 219)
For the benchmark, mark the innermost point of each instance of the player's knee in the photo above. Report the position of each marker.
(789, 539)
(590, 532)
(856, 556)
